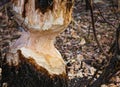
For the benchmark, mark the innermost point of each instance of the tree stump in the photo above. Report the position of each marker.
(33, 61)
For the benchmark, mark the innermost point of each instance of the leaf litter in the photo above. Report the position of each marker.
(76, 43)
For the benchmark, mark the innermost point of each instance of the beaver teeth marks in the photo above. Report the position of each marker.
(69, 4)
(44, 5)
(24, 9)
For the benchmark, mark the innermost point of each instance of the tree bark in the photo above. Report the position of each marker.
(33, 61)
(118, 5)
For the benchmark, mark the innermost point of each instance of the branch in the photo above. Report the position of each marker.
(104, 17)
(94, 31)
(113, 66)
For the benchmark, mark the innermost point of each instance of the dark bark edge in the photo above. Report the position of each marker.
(28, 74)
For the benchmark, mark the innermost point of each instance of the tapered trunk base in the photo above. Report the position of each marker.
(28, 74)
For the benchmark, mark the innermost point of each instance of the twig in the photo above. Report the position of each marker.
(96, 72)
(104, 17)
(94, 30)
(115, 48)
(114, 10)
(95, 36)
(6, 12)
(113, 65)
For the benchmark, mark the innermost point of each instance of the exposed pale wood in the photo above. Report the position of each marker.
(44, 25)
(40, 47)
(33, 56)
(58, 15)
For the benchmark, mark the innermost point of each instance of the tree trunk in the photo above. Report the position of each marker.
(33, 61)
(118, 5)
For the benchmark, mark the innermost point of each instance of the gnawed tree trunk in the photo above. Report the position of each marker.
(33, 61)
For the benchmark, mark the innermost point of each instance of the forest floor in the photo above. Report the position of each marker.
(76, 44)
